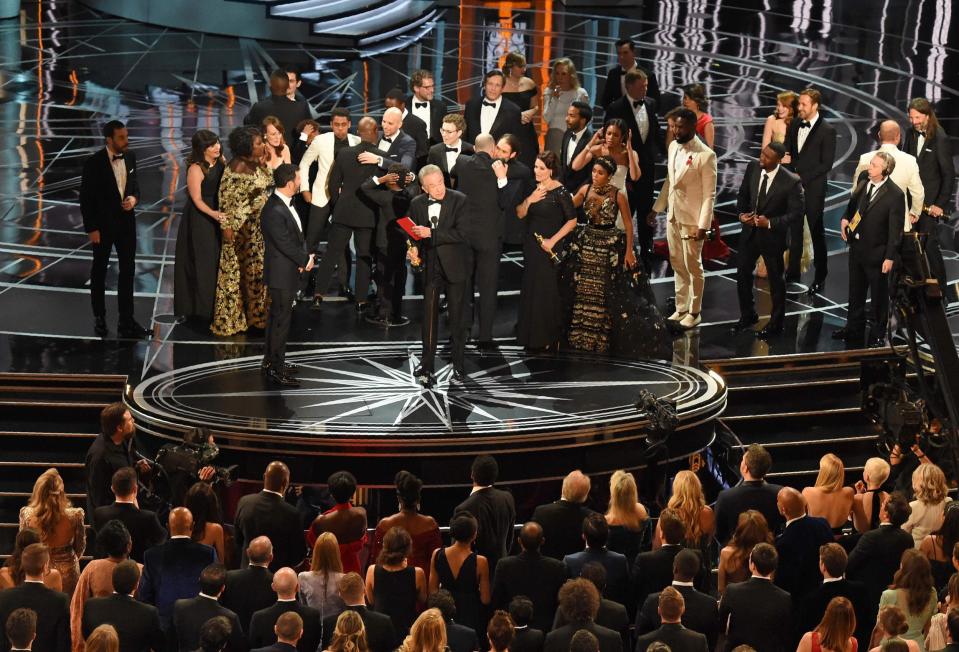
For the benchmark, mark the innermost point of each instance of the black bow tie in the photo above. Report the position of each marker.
(805, 124)
(431, 201)
(291, 202)
(920, 133)
(117, 157)
(572, 138)
(420, 105)
(388, 139)
(637, 103)
(452, 149)
(490, 104)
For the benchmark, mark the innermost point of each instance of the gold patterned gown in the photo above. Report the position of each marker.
(241, 299)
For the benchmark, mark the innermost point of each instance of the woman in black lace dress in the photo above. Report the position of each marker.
(613, 309)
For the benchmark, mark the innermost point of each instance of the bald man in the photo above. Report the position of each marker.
(398, 146)
(798, 545)
(171, 571)
(268, 514)
(562, 520)
(531, 574)
(251, 589)
(264, 623)
(905, 175)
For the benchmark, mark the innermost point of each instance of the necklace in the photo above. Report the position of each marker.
(603, 189)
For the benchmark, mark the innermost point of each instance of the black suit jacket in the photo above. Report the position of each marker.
(558, 640)
(815, 160)
(495, 512)
(701, 614)
(247, 591)
(783, 205)
(285, 246)
(290, 113)
(574, 179)
(261, 631)
(758, 495)
(350, 206)
(419, 132)
(936, 168)
(189, 615)
(142, 524)
(391, 205)
(527, 639)
(677, 637)
(438, 111)
(276, 647)
(814, 606)
(880, 229)
(267, 514)
(611, 615)
(448, 244)
(617, 570)
(171, 571)
(137, 623)
(562, 523)
(537, 577)
(648, 150)
(484, 199)
(759, 614)
(508, 119)
(612, 91)
(100, 200)
(798, 546)
(53, 615)
(437, 157)
(876, 557)
(380, 635)
(461, 638)
(403, 150)
(653, 571)
(519, 185)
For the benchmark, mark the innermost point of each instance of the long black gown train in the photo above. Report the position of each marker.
(197, 260)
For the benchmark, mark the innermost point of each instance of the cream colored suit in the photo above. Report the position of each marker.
(688, 196)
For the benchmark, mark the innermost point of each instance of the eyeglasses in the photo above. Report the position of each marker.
(444, 130)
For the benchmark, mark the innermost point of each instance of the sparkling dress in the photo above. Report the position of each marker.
(67, 543)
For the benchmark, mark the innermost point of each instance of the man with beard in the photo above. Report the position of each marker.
(111, 451)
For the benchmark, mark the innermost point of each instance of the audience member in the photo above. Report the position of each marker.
(834, 632)
(701, 613)
(459, 638)
(215, 634)
(878, 552)
(250, 589)
(562, 520)
(111, 451)
(61, 526)
(349, 634)
(137, 623)
(525, 637)
(672, 632)
(96, 580)
(952, 622)
(189, 614)
(579, 602)
(938, 634)
(12, 575)
(832, 565)
(464, 573)
(753, 493)
(798, 546)
(103, 639)
(319, 585)
(828, 498)
(493, 508)
(627, 517)
(695, 99)
(689, 504)
(582, 641)
(930, 490)
(939, 545)
(21, 629)
(890, 626)
(52, 607)
(913, 592)
(611, 615)
(734, 556)
(428, 634)
(869, 494)
(379, 627)
(757, 612)
(560, 92)
(596, 534)
(288, 631)
(500, 632)
(423, 529)
(344, 520)
(262, 632)
(394, 587)
(530, 574)
(142, 524)
(268, 514)
(202, 502)
(653, 571)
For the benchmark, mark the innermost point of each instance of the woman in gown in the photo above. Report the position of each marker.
(60, 525)
(549, 213)
(198, 238)
(613, 309)
(614, 142)
(463, 573)
(522, 91)
(240, 292)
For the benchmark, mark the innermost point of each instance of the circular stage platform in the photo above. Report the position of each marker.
(363, 401)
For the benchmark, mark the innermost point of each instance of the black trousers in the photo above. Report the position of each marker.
(484, 263)
(815, 204)
(317, 229)
(866, 276)
(278, 326)
(927, 224)
(750, 249)
(339, 238)
(121, 236)
(436, 281)
(391, 274)
(640, 203)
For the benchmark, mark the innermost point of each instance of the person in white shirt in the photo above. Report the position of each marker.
(906, 174)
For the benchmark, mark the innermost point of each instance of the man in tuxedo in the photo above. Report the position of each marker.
(811, 144)
(413, 126)
(872, 225)
(285, 259)
(906, 175)
(21, 629)
(250, 589)
(671, 631)
(289, 112)
(595, 531)
(137, 623)
(770, 199)
(532, 575)
(262, 632)
(652, 571)
(189, 614)
(111, 451)
(952, 624)
(615, 86)
(579, 115)
(832, 565)
(516, 186)
(689, 196)
(579, 602)
(459, 638)
(446, 153)
(380, 635)
(930, 144)
(701, 613)
(876, 557)
(752, 493)
(493, 509)
(798, 546)
(287, 632)
(439, 215)
(268, 514)
(526, 638)
(757, 612)
(354, 214)
(562, 520)
(142, 524)
(295, 81)
(172, 569)
(492, 113)
(51, 607)
(109, 191)
(323, 151)
(424, 105)
(395, 145)
(611, 614)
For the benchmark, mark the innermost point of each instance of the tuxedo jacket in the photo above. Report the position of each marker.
(648, 150)
(320, 152)
(814, 606)
(519, 185)
(759, 614)
(284, 243)
(495, 512)
(652, 571)
(936, 167)
(558, 640)
(380, 635)
(677, 637)
(906, 175)
(261, 631)
(880, 227)
(142, 524)
(190, 614)
(350, 207)
(508, 119)
(574, 179)
(137, 623)
(613, 90)
(611, 615)
(247, 591)
(617, 570)
(419, 132)
(100, 199)
(461, 638)
(876, 557)
(527, 639)
(562, 523)
(484, 209)
(783, 205)
(447, 243)
(534, 575)
(816, 158)
(755, 494)
(267, 514)
(798, 548)
(701, 614)
(438, 111)
(53, 615)
(689, 196)
(171, 571)
(402, 150)
(437, 157)
(289, 112)
(391, 205)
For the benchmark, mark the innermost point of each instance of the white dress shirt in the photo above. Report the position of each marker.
(385, 145)
(805, 131)
(769, 182)
(920, 142)
(488, 114)
(433, 210)
(571, 145)
(451, 156)
(642, 118)
(421, 113)
(286, 202)
(681, 159)
(119, 171)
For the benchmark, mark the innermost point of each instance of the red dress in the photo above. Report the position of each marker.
(350, 550)
(712, 249)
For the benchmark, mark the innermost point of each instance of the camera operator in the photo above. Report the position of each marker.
(185, 463)
(921, 451)
(113, 450)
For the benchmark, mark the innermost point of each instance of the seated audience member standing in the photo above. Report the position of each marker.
(653, 571)
(525, 637)
(171, 570)
(611, 615)
(834, 632)
(627, 517)
(753, 493)
(250, 589)
(734, 556)
(379, 627)
(832, 565)
(288, 631)
(215, 634)
(672, 632)
(428, 633)
(459, 638)
(344, 520)
(952, 621)
(423, 529)
(268, 514)
(828, 498)
(938, 546)
(262, 631)
(757, 612)
(142, 524)
(689, 504)
(137, 623)
(701, 613)
(579, 601)
(798, 546)
(877, 554)
(530, 574)
(11, 574)
(319, 585)
(392, 586)
(21, 629)
(562, 520)
(869, 494)
(189, 614)
(929, 487)
(891, 625)
(583, 641)
(912, 591)
(462, 572)
(493, 508)
(103, 639)
(202, 502)
(51, 607)
(349, 634)
(500, 632)
(595, 535)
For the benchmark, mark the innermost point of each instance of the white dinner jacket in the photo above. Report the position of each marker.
(321, 151)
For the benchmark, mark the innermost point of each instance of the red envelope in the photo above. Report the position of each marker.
(407, 225)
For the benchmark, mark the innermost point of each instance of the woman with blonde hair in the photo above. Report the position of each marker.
(428, 633)
(626, 516)
(560, 92)
(318, 586)
(277, 151)
(103, 639)
(689, 503)
(523, 92)
(751, 529)
(869, 494)
(828, 498)
(60, 526)
(350, 633)
(929, 487)
(834, 633)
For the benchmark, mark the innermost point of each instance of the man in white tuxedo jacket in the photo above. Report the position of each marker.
(905, 175)
(687, 196)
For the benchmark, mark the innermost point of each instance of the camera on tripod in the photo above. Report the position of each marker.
(181, 464)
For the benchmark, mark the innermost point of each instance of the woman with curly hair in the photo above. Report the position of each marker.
(60, 525)
(689, 503)
(350, 633)
(828, 498)
(318, 586)
(938, 546)
(929, 487)
(751, 529)
(423, 529)
(626, 516)
(12, 574)
(393, 587)
(834, 632)
(913, 592)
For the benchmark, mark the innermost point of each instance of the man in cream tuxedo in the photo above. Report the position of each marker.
(688, 196)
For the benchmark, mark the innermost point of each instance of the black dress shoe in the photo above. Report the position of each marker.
(132, 329)
(363, 308)
(770, 330)
(459, 376)
(317, 302)
(282, 379)
(288, 368)
(744, 323)
(347, 293)
(816, 287)
(876, 342)
(846, 334)
(100, 327)
(423, 376)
